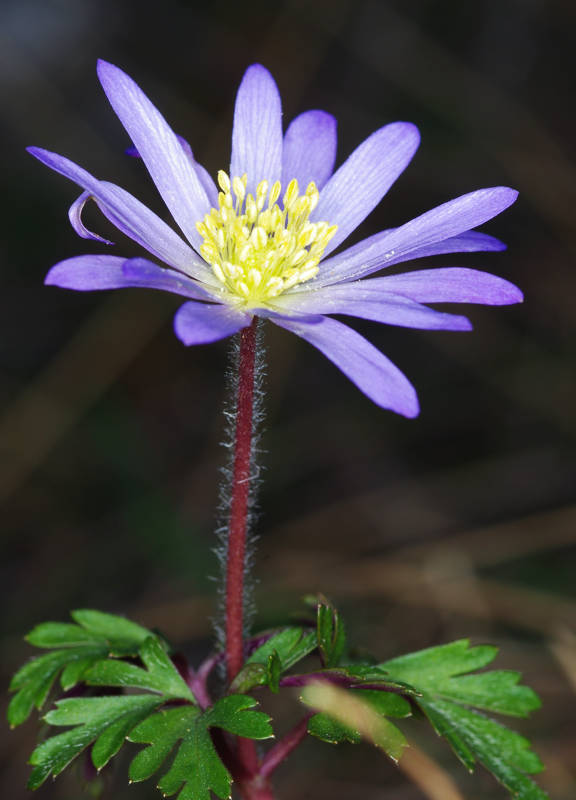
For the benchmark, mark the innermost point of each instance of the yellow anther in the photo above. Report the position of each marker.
(223, 181)
(259, 237)
(258, 245)
(239, 187)
(274, 193)
(275, 287)
(291, 193)
(255, 277)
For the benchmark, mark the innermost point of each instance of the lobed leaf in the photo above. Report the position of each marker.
(159, 676)
(447, 695)
(78, 646)
(197, 769)
(103, 720)
(33, 682)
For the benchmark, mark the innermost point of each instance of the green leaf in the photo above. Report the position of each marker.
(324, 727)
(197, 769)
(103, 720)
(78, 647)
(59, 634)
(291, 644)
(273, 672)
(234, 714)
(32, 683)
(111, 627)
(330, 633)
(330, 730)
(159, 676)
(447, 695)
(356, 714)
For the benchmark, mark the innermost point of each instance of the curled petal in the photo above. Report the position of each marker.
(99, 272)
(450, 285)
(75, 217)
(198, 323)
(309, 149)
(159, 148)
(361, 182)
(257, 132)
(361, 299)
(131, 217)
(369, 369)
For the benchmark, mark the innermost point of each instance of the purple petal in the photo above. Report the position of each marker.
(197, 323)
(450, 285)
(208, 184)
(160, 149)
(365, 177)
(419, 236)
(469, 242)
(131, 216)
(97, 272)
(362, 299)
(367, 367)
(257, 133)
(75, 217)
(309, 149)
(203, 174)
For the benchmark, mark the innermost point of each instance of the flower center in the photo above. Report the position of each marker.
(258, 248)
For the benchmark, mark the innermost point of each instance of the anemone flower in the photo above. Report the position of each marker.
(262, 243)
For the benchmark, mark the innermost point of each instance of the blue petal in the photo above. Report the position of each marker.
(361, 182)
(99, 272)
(131, 217)
(420, 236)
(257, 132)
(309, 149)
(75, 217)
(374, 374)
(197, 323)
(449, 285)
(159, 148)
(363, 299)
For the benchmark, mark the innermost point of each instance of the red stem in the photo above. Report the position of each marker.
(282, 749)
(239, 504)
(237, 528)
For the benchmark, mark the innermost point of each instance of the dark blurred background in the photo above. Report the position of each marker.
(458, 523)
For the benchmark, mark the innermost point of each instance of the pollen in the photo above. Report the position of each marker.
(261, 245)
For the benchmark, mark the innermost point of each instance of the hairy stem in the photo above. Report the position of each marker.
(239, 506)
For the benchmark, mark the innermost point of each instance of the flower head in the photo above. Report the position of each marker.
(260, 242)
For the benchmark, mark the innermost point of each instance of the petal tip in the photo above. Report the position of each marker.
(411, 409)
(103, 66)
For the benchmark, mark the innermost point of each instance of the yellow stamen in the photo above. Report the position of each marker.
(258, 248)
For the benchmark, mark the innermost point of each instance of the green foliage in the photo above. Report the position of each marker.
(196, 769)
(349, 715)
(327, 728)
(447, 694)
(75, 649)
(290, 644)
(159, 676)
(279, 653)
(330, 633)
(162, 712)
(106, 721)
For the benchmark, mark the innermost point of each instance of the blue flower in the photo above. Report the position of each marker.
(261, 243)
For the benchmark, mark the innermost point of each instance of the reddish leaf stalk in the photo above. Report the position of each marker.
(282, 749)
